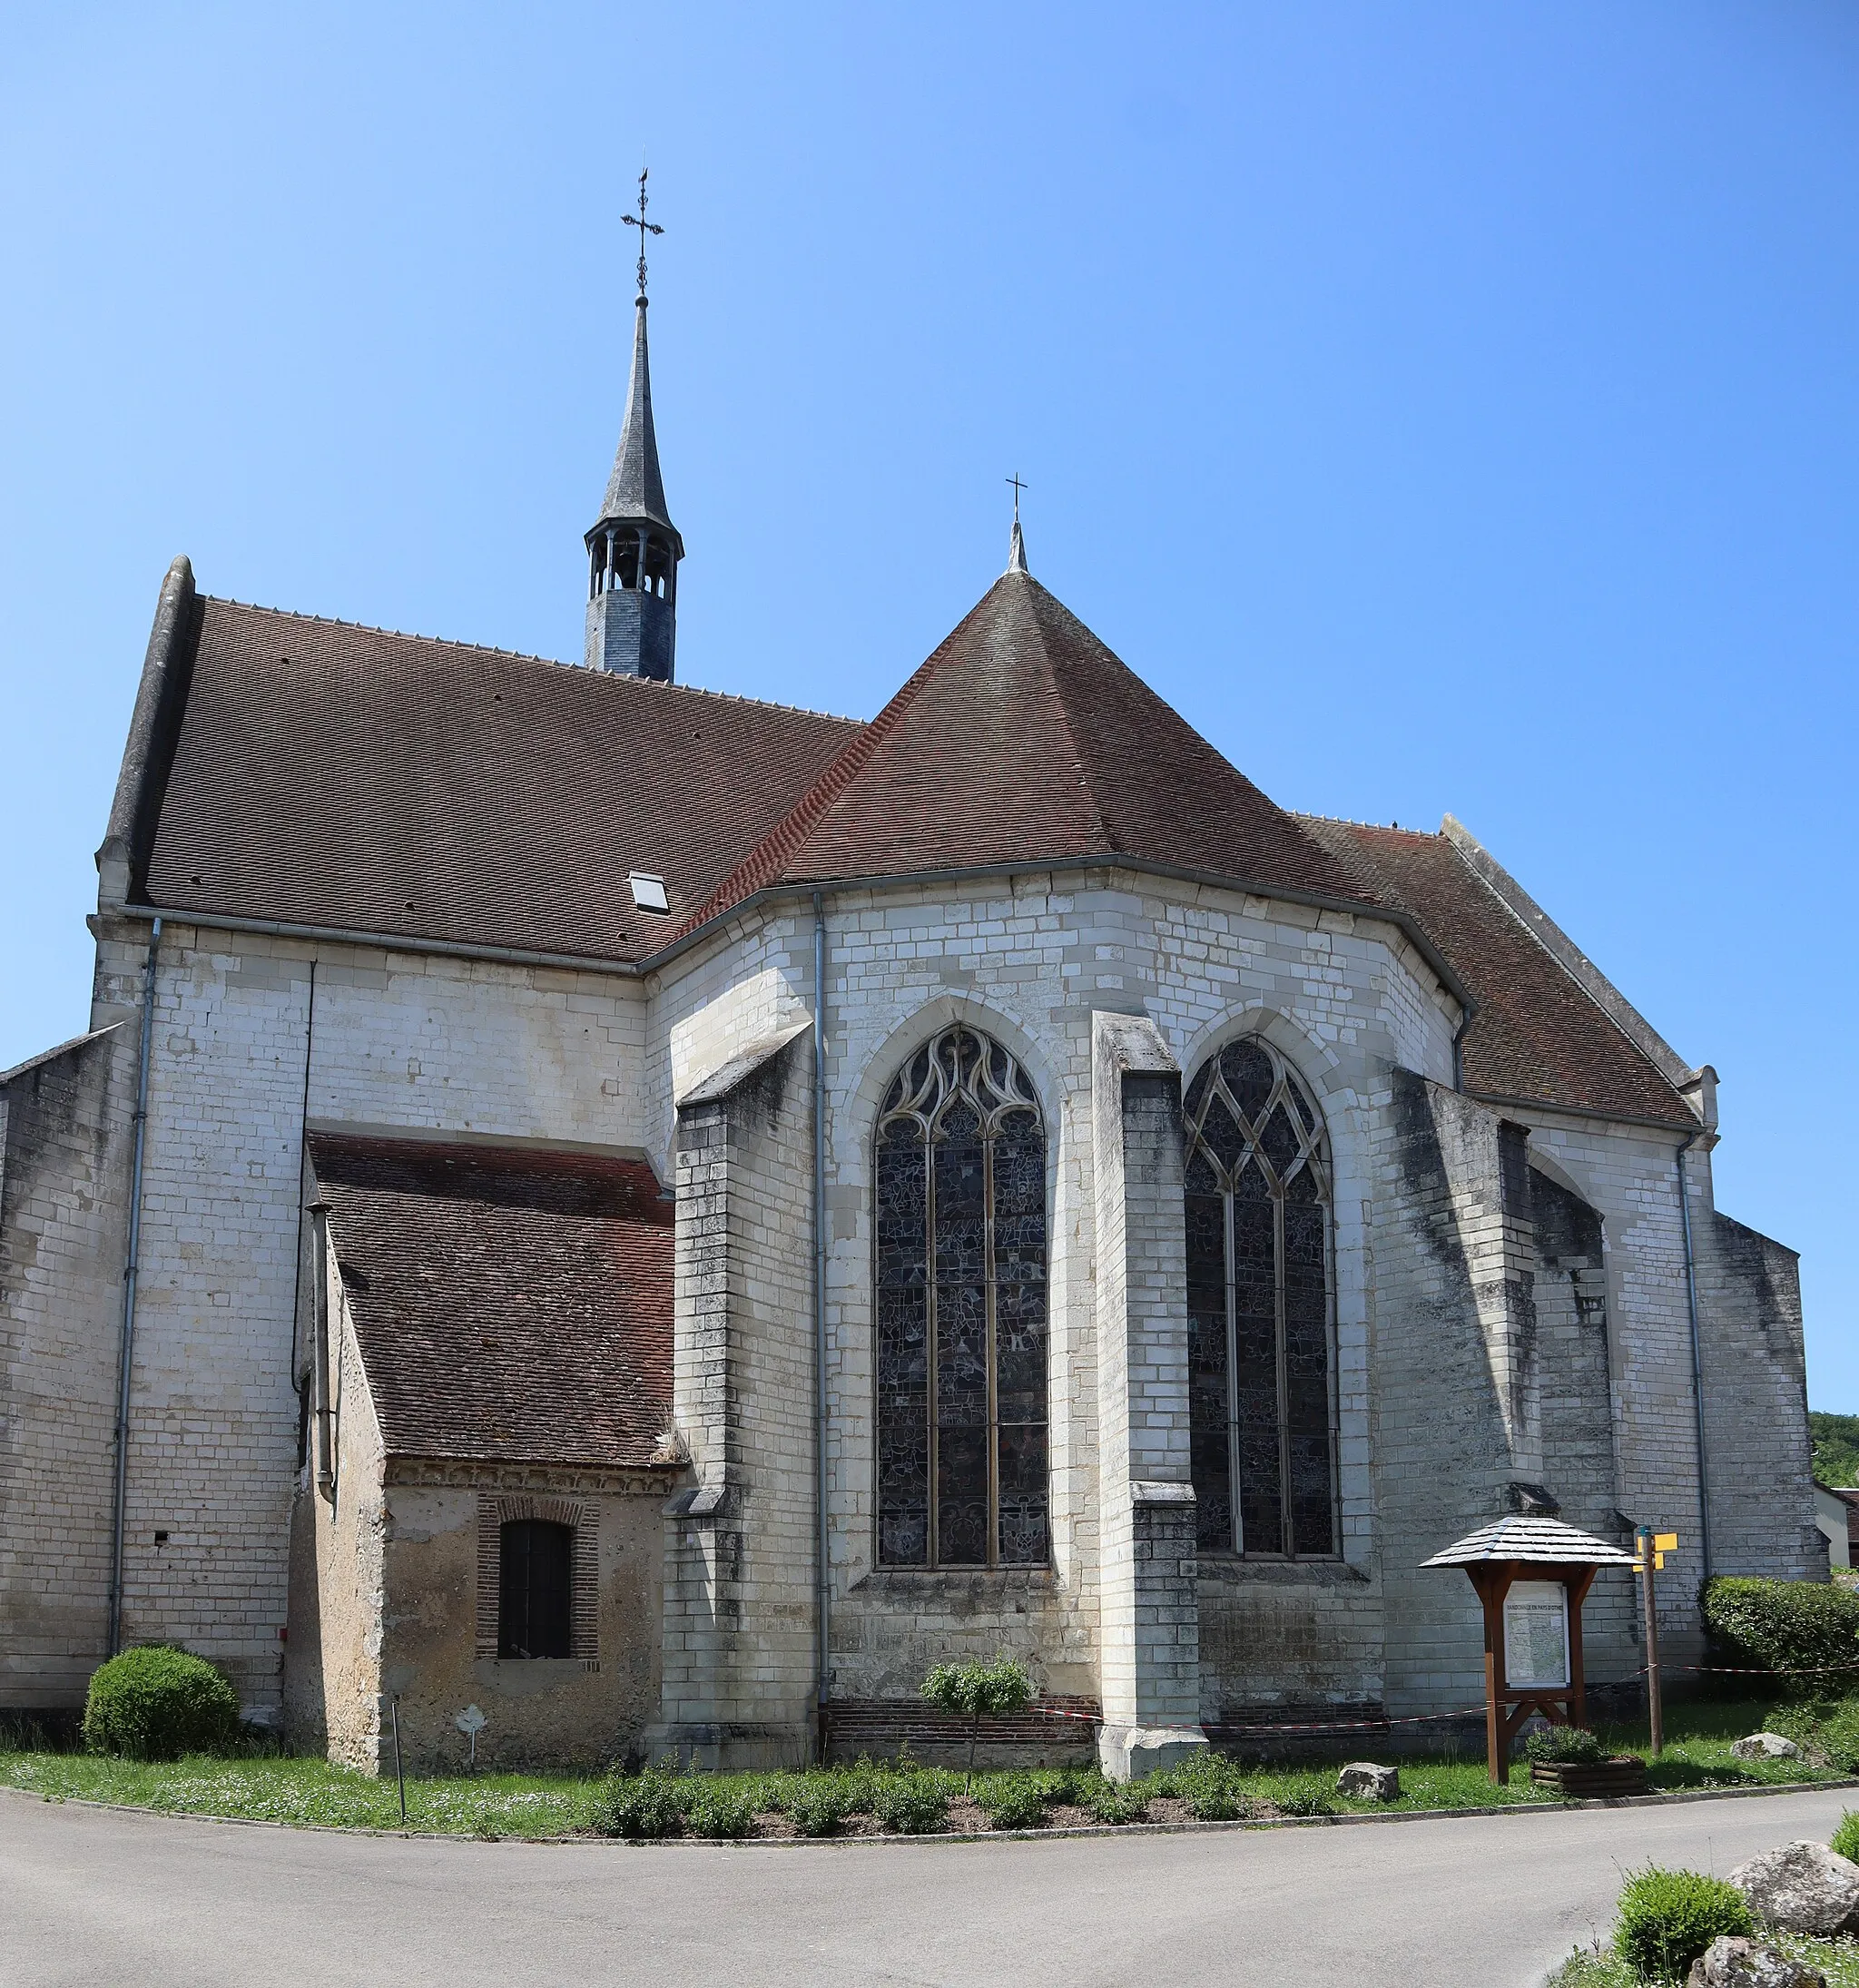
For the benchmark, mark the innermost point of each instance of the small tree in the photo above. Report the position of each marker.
(1004, 1686)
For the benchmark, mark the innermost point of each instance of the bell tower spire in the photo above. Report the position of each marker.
(633, 547)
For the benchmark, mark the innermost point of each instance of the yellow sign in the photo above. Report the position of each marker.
(1664, 1543)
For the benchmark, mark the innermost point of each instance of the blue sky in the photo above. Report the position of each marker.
(1445, 407)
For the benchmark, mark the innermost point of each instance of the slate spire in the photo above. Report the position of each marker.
(633, 547)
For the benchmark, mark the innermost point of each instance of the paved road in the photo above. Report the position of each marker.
(92, 1898)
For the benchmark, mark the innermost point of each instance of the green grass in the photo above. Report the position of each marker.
(280, 1788)
(1838, 1960)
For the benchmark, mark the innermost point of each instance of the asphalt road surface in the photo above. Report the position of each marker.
(122, 1900)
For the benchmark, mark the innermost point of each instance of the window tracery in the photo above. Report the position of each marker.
(961, 1310)
(1260, 1393)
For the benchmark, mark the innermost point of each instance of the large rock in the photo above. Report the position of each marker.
(1802, 1888)
(1766, 1746)
(1363, 1781)
(1745, 1964)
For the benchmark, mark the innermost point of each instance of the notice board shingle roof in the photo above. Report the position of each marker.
(326, 775)
(1527, 1537)
(511, 1306)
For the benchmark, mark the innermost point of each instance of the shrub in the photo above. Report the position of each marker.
(721, 1809)
(1212, 1790)
(1565, 1745)
(158, 1703)
(911, 1804)
(1004, 1686)
(819, 1804)
(1108, 1803)
(1786, 1625)
(1021, 1803)
(641, 1807)
(1665, 1919)
(1307, 1794)
(1845, 1843)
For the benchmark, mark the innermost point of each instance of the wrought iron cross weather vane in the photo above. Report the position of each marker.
(1017, 487)
(645, 227)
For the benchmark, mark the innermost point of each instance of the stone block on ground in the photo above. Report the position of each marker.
(1748, 1963)
(1801, 1888)
(1766, 1746)
(1363, 1781)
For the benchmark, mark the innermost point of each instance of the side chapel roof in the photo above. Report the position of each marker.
(511, 1306)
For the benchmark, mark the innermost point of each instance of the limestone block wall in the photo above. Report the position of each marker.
(1452, 1382)
(255, 1037)
(1149, 1631)
(1758, 1451)
(1628, 1176)
(740, 1616)
(1028, 960)
(65, 1138)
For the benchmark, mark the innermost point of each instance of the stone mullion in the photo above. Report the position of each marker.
(988, 1343)
(1286, 1537)
(1236, 1530)
(930, 1337)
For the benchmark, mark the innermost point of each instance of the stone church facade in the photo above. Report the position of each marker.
(662, 1217)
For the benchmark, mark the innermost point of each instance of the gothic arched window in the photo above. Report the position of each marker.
(1258, 1299)
(961, 1310)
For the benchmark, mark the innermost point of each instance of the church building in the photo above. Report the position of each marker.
(660, 1216)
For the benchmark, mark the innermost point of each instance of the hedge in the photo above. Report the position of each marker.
(1799, 1626)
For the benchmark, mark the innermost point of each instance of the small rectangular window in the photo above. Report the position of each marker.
(648, 891)
(533, 1587)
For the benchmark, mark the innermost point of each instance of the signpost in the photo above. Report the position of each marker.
(1531, 1576)
(471, 1722)
(1652, 1547)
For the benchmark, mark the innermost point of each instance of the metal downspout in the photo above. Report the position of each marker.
(823, 1545)
(1696, 1355)
(126, 1363)
(319, 1379)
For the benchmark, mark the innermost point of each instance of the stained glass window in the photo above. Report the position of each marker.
(961, 1310)
(1259, 1418)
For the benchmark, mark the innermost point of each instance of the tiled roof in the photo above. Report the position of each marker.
(1536, 1033)
(512, 1306)
(1023, 738)
(327, 774)
(1527, 1539)
(330, 775)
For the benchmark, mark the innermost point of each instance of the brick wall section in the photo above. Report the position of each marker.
(495, 1510)
(65, 1138)
(740, 1667)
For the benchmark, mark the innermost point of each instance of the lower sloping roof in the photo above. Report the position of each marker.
(1536, 1033)
(511, 1306)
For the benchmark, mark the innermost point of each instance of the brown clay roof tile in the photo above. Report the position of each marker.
(512, 1306)
(1536, 1033)
(332, 775)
